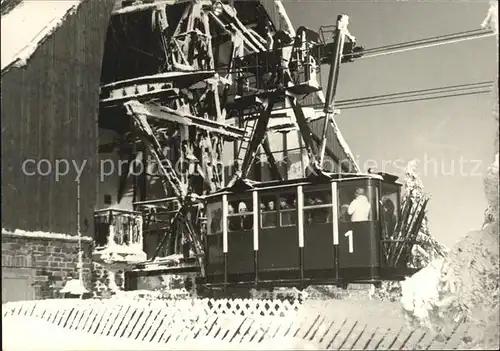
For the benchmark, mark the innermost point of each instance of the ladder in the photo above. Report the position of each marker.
(251, 146)
(245, 141)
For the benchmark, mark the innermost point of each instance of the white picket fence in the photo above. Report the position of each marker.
(234, 321)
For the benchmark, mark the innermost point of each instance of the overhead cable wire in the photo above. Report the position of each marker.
(469, 33)
(428, 91)
(428, 45)
(416, 99)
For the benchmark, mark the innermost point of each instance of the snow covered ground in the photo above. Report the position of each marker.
(28, 333)
(22, 333)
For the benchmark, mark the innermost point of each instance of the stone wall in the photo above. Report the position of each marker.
(49, 258)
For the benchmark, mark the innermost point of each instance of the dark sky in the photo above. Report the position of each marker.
(440, 133)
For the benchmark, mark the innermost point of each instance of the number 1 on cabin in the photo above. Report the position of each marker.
(351, 244)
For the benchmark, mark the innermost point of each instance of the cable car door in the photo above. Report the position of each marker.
(358, 237)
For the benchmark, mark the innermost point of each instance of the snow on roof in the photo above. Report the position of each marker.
(26, 26)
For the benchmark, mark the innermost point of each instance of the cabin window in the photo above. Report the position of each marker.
(389, 208)
(214, 218)
(287, 206)
(240, 215)
(269, 211)
(317, 206)
(356, 204)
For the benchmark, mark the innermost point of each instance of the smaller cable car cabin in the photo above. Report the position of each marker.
(335, 230)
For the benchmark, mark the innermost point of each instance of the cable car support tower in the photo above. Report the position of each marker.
(163, 107)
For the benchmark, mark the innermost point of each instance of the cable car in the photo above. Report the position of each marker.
(319, 230)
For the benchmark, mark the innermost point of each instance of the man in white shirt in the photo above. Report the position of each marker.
(360, 208)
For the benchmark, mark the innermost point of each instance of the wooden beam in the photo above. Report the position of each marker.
(167, 114)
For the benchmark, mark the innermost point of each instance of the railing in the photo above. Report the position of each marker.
(116, 227)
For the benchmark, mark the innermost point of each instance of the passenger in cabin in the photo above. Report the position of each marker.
(308, 215)
(389, 215)
(283, 204)
(320, 215)
(325, 213)
(245, 220)
(359, 209)
(270, 206)
(269, 215)
(287, 214)
(234, 223)
(242, 207)
(343, 215)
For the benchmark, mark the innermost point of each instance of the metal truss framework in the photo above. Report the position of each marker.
(179, 114)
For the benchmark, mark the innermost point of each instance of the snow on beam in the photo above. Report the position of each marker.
(177, 78)
(284, 17)
(168, 114)
(43, 235)
(114, 254)
(141, 6)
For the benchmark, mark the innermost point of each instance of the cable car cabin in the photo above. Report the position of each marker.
(302, 232)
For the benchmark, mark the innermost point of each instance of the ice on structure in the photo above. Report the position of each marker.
(45, 235)
(121, 253)
(32, 22)
(491, 20)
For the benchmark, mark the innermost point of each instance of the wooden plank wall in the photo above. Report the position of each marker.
(49, 111)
